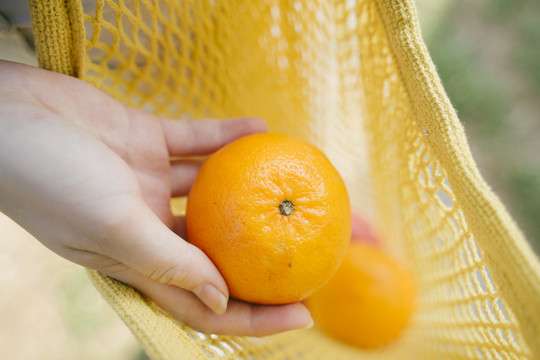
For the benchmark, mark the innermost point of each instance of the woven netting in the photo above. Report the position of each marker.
(353, 77)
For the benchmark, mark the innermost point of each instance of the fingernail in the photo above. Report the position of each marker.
(310, 324)
(212, 297)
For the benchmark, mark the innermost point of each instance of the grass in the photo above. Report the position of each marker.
(486, 53)
(474, 93)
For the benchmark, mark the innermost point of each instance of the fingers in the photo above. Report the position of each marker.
(195, 138)
(185, 283)
(248, 319)
(202, 137)
(239, 319)
(179, 227)
(183, 173)
(145, 244)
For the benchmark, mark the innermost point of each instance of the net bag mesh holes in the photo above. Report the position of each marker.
(355, 78)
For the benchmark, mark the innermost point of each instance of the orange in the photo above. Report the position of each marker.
(368, 302)
(273, 215)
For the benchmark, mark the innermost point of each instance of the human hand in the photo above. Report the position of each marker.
(92, 179)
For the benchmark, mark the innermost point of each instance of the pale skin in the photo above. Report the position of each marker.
(91, 179)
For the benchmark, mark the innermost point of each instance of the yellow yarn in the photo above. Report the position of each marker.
(355, 78)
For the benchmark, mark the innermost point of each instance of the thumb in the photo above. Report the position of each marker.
(143, 242)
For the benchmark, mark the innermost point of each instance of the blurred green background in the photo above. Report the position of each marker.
(487, 53)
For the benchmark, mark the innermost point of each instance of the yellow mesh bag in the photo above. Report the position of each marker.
(355, 78)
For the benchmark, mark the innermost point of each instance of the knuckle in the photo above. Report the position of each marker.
(171, 274)
(176, 270)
